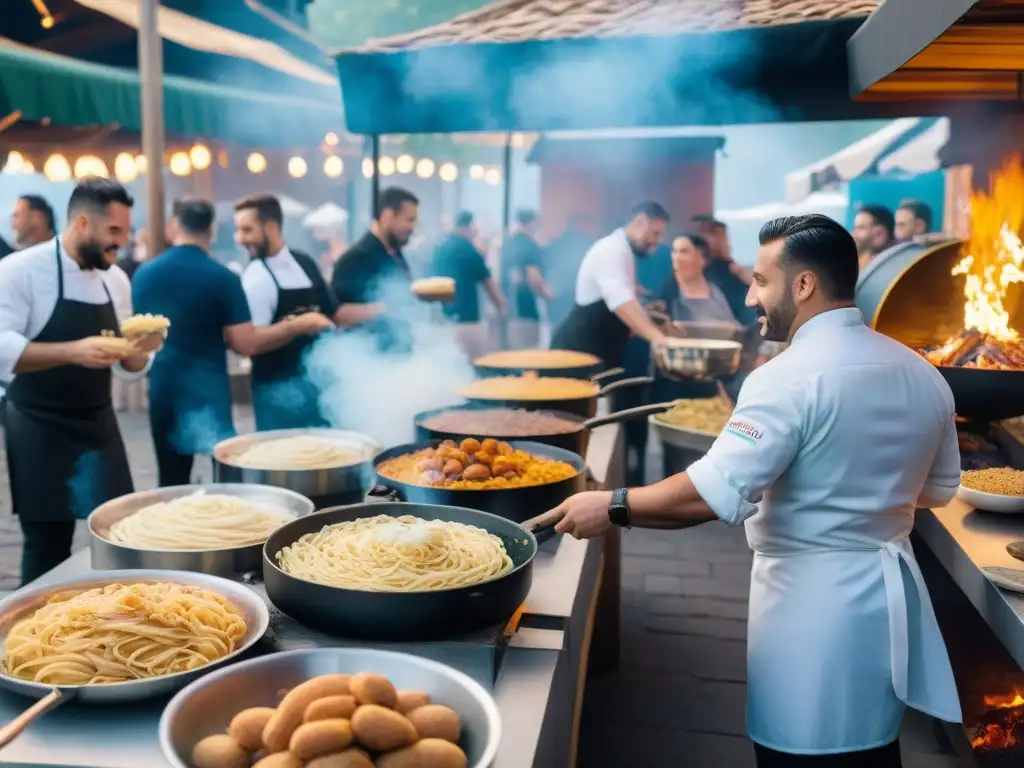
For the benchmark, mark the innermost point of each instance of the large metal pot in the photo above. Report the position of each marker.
(25, 602)
(910, 294)
(208, 705)
(516, 504)
(402, 615)
(229, 562)
(324, 487)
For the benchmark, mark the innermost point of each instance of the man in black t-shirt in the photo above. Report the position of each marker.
(458, 258)
(729, 277)
(371, 279)
(524, 262)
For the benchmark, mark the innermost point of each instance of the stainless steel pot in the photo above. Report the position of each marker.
(324, 487)
(206, 706)
(693, 359)
(228, 562)
(25, 602)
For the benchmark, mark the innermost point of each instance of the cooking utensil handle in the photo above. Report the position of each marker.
(549, 519)
(13, 729)
(659, 317)
(1016, 549)
(607, 374)
(633, 382)
(628, 413)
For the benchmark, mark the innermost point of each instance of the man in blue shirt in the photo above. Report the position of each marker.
(458, 258)
(189, 390)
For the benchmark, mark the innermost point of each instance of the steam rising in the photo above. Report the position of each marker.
(85, 486)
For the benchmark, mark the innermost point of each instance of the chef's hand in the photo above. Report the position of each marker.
(585, 515)
(94, 352)
(312, 323)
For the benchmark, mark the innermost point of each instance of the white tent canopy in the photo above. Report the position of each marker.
(849, 162)
(920, 154)
(201, 35)
(829, 203)
(327, 216)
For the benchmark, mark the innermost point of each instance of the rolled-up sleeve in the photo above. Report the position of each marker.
(944, 476)
(15, 309)
(754, 449)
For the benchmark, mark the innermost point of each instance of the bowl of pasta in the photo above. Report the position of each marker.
(217, 529)
(65, 640)
(329, 466)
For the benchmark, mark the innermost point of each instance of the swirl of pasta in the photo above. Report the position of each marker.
(396, 554)
(122, 632)
(302, 452)
(196, 522)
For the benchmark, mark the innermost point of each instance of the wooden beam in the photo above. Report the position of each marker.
(88, 37)
(941, 84)
(151, 74)
(974, 48)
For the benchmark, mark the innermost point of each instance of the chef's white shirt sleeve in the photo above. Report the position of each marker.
(944, 476)
(614, 274)
(261, 293)
(756, 446)
(15, 314)
(120, 287)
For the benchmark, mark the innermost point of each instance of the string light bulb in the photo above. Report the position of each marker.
(57, 168)
(448, 172)
(15, 163)
(493, 177)
(90, 165)
(405, 163)
(331, 139)
(476, 172)
(256, 163)
(297, 167)
(386, 166)
(334, 166)
(141, 164)
(367, 168)
(200, 157)
(125, 168)
(425, 168)
(180, 164)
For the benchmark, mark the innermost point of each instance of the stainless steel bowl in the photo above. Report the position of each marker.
(228, 562)
(686, 329)
(24, 602)
(206, 706)
(325, 487)
(697, 359)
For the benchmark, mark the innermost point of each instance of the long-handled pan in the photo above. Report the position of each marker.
(402, 615)
(514, 503)
(25, 602)
(584, 405)
(500, 423)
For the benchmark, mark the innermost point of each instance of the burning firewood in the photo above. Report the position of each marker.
(971, 348)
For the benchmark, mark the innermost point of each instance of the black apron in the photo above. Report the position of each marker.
(65, 456)
(283, 397)
(594, 329)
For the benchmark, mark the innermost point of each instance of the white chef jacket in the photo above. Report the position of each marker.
(607, 272)
(259, 285)
(28, 296)
(831, 447)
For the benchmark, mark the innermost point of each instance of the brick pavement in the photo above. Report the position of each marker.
(678, 697)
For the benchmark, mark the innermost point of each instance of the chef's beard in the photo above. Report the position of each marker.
(396, 242)
(260, 250)
(777, 323)
(93, 256)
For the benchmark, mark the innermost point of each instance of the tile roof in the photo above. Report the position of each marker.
(508, 21)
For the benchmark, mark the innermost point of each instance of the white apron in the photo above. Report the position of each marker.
(831, 447)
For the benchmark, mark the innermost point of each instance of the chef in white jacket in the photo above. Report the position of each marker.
(831, 447)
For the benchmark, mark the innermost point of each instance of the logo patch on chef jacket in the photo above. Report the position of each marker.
(745, 431)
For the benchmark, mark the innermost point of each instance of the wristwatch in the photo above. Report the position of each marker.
(618, 509)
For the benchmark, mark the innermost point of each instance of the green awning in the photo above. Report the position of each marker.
(70, 92)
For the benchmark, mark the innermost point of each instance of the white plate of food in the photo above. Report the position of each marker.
(996, 489)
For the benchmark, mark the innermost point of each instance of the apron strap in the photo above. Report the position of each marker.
(60, 270)
(272, 275)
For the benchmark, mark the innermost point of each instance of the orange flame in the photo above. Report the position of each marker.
(993, 257)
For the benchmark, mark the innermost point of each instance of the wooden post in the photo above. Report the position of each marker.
(151, 76)
(375, 177)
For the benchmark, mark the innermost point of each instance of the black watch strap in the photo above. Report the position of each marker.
(618, 509)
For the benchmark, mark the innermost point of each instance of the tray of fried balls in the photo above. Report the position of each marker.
(368, 719)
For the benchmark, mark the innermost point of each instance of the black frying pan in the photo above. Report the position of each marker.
(985, 395)
(515, 504)
(574, 440)
(402, 615)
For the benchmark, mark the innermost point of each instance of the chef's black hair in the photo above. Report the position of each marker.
(195, 215)
(919, 209)
(93, 194)
(708, 221)
(817, 243)
(883, 217)
(39, 204)
(393, 198)
(267, 207)
(651, 210)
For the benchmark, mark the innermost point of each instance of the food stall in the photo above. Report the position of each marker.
(532, 664)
